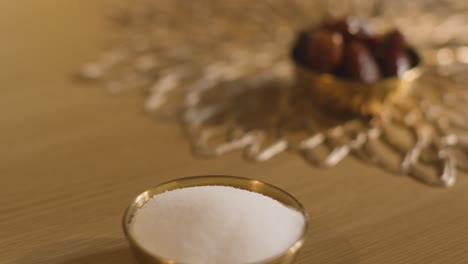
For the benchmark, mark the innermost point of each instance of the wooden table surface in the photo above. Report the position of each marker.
(72, 157)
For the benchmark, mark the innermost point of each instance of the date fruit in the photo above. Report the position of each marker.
(347, 48)
(325, 50)
(359, 63)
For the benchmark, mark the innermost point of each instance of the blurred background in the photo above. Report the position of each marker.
(72, 157)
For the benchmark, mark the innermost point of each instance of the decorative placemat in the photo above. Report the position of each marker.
(224, 69)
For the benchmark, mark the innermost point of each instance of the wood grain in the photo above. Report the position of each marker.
(73, 157)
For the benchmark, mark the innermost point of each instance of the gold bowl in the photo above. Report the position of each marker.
(145, 257)
(341, 95)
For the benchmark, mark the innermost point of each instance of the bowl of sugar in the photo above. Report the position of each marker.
(213, 220)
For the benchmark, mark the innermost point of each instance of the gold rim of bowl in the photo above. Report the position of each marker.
(144, 256)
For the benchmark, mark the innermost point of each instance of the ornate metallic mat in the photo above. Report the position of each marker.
(224, 69)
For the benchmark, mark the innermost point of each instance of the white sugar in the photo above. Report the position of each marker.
(216, 224)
